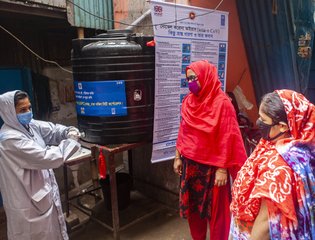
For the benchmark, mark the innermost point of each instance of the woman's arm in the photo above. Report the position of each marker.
(260, 229)
(52, 133)
(178, 163)
(28, 154)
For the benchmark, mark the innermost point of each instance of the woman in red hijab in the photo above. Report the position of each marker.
(209, 147)
(274, 192)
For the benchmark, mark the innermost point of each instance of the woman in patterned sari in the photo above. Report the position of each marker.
(273, 195)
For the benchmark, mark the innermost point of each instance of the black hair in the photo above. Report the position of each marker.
(19, 95)
(273, 107)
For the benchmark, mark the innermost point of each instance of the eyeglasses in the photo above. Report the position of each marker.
(192, 78)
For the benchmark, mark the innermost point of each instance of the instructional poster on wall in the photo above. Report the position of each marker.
(182, 34)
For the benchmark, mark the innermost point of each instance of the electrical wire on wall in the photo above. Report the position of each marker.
(34, 53)
(105, 19)
(149, 25)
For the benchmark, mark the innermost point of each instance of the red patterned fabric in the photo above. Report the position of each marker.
(196, 189)
(202, 202)
(220, 218)
(266, 174)
(209, 132)
(301, 116)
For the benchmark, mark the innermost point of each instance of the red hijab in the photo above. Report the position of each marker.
(209, 132)
(301, 117)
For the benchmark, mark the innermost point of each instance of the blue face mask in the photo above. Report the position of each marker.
(25, 118)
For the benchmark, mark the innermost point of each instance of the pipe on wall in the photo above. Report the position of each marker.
(139, 20)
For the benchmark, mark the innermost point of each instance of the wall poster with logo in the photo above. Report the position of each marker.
(182, 34)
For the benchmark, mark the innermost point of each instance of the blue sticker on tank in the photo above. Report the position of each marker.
(101, 98)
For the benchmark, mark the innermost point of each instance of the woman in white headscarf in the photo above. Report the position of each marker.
(29, 149)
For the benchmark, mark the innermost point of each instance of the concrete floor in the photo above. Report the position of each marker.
(153, 221)
(160, 222)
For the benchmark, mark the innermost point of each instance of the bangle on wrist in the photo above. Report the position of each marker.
(177, 157)
(221, 171)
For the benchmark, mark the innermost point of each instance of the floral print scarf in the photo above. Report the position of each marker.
(283, 175)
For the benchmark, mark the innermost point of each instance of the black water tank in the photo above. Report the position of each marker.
(114, 85)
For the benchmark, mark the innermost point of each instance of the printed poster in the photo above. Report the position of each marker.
(197, 34)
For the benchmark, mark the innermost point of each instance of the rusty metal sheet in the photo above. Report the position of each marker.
(54, 3)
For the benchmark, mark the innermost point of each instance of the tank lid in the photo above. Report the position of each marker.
(120, 33)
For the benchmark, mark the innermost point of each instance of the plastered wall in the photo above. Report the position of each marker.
(238, 72)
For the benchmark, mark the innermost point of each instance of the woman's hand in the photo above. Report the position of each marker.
(221, 177)
(178, 166)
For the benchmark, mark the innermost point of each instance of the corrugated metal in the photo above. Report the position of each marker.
(51, 3)
(50, 44)
(304, 24)
(311, 86)
(270, 29)
(55, 3)
(94, 14)
(56, 9)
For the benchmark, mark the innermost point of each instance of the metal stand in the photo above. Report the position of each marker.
(86, 155)
(109, 153)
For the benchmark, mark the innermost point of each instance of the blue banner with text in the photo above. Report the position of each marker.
(101, 98)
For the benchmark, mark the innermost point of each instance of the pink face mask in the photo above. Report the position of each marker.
(193, 84)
